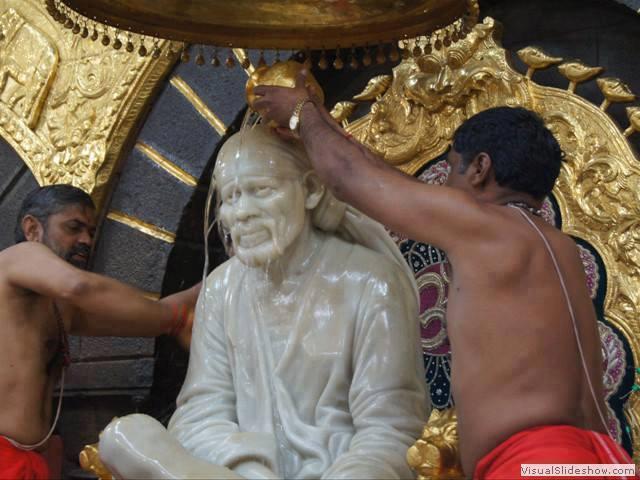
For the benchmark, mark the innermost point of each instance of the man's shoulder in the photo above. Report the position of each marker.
(12, 259)
(23, 248)
(19, 251)
(11, 251)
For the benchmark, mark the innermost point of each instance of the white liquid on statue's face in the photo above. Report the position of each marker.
(263, 214)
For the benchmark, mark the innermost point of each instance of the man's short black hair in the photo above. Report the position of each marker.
(525, 155)
(43, 202)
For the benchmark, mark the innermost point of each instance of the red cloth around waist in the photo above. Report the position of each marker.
(549, 444)
(16, 464)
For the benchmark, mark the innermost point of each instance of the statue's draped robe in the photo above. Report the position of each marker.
(332, 387)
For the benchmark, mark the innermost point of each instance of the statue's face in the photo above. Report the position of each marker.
(264, 216)
(265, 212)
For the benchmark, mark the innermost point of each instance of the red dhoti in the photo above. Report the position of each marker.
(559, 444)
(16, 464)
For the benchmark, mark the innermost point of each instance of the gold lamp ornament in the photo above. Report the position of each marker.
(297, 25)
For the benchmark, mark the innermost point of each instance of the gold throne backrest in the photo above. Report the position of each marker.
(596, 199)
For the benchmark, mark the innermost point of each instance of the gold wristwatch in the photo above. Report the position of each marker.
(294, 121)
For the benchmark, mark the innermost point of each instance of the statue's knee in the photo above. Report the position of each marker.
(137, 429)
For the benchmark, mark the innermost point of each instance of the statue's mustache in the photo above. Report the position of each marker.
(254, 226)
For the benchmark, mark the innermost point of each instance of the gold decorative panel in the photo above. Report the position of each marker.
(68, 104)
(432, 94)
(416, 112)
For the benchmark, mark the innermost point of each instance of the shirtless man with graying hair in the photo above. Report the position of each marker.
(45, 293)
(518, 376)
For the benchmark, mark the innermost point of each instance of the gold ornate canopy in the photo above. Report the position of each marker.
(274, 24)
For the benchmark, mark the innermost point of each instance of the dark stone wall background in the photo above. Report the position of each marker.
(16, 181)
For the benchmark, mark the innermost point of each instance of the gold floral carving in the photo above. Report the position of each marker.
(67, 105)
(90, 462)
(435, 454)
(413, 119)
(430, 95)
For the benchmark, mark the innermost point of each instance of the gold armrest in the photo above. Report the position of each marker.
(436, 455)
(90, 462)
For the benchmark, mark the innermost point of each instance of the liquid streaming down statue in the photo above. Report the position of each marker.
(305, 358)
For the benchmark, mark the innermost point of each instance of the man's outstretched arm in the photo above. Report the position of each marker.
(103, 305)
(437, 215)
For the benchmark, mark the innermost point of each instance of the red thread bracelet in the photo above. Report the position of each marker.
(179, 320)
(174, 318)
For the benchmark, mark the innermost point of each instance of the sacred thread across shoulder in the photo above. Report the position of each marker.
(565, 292)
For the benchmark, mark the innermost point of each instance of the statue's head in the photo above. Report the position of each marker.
(267, 192)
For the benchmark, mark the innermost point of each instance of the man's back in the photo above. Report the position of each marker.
(512, 367)
(31, 365)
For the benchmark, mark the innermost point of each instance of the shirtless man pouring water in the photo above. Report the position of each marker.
(522, 328)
